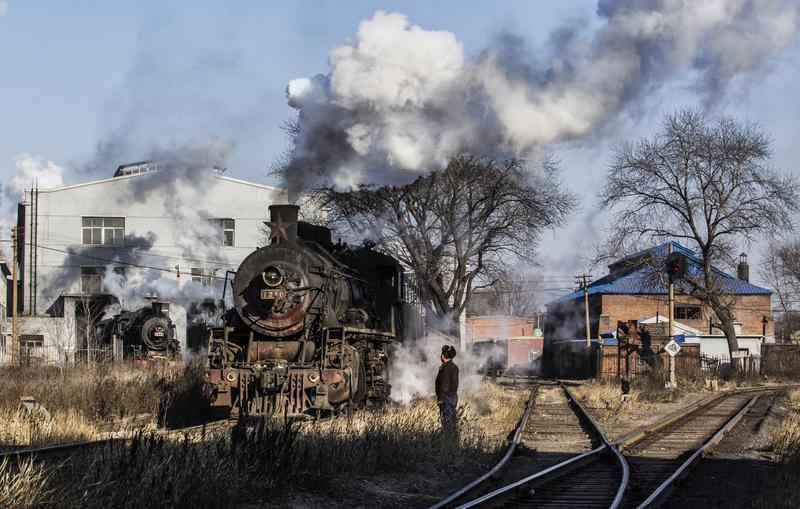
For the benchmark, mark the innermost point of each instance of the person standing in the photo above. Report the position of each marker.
(447, 388)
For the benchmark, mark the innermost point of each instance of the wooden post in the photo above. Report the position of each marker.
(672, 381)
(14, 327)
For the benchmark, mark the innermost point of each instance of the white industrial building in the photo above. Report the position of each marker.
(148, 229)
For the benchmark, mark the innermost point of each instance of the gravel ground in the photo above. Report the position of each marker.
(741, 470)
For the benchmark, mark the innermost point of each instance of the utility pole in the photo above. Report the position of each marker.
(14, 329)
(672, 381)
(583, 280)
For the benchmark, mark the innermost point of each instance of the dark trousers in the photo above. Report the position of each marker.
(447, 410)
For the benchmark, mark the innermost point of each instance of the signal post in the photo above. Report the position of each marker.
(675, 268)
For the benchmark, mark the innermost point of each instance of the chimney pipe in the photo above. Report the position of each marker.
(743, 270)
(283, 223)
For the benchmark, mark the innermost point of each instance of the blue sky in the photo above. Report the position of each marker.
(74, 74)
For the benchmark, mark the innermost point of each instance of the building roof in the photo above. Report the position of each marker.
(630, 276)
(122, 176)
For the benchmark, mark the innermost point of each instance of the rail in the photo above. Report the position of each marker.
(75, 446)
(561, 468)
(500, 464)
(657, 496)
(660, 494)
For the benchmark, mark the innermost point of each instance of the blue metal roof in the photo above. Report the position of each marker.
(645, 280)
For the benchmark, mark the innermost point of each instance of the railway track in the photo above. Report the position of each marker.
(555, 432)
(58, 450)
(639, 470)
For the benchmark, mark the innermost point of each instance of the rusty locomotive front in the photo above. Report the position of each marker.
(312, 326)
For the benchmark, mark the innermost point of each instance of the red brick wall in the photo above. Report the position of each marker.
(488, 328)
(518, 350)
(748, 309)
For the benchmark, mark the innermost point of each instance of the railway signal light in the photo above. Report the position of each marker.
(675, 266)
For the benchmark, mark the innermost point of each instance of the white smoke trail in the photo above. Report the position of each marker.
(400, 100)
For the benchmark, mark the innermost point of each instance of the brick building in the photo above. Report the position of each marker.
(504, 341)
(633, 289)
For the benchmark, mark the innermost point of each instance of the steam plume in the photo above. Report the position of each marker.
(400, 100)
(28, 170)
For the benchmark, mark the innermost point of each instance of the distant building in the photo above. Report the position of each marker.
(144, 224)
(633, 290)
(503, 342)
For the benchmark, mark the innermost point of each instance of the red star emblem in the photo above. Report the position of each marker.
(277, 229)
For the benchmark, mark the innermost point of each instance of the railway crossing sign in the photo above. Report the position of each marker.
(672, 348)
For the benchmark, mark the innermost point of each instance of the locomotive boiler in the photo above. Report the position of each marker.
(312, 326)
(146, 333)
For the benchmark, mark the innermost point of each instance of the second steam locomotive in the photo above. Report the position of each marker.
(312, 327)
(147, 333)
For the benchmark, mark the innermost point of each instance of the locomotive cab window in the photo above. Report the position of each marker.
(227, 229)
(103, 231)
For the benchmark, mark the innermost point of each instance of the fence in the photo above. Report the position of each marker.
(630, 361)
(41, 355)
(720, 365)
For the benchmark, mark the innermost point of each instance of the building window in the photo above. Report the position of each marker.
(31, 346)
(92, 278)
(688, 313)
(103, 231)
(227, 229)
(203, 276)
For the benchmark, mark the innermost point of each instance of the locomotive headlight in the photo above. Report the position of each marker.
(272, 276)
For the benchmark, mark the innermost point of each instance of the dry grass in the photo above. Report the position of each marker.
(82, 402)
(270, 457)
(19, 429)
(496, 410)
(648, 401)
(784, 491)
(23, 486)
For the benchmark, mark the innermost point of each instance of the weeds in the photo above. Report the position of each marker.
(260, 459)
(24, 485)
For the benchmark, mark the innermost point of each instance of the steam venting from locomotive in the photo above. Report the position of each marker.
(400, 100)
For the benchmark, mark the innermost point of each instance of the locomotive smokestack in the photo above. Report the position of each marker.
(283, 223)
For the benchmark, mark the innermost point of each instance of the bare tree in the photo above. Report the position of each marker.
(515, 292)
(456, 228)
(781, 270)
(706, 182)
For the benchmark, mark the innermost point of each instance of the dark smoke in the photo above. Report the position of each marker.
(400, 100)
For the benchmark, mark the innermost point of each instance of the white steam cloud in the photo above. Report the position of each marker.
(32, 170)
(400, 100)
(29, 170)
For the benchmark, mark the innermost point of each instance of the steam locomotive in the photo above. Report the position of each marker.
(147, 333)
(312, 328)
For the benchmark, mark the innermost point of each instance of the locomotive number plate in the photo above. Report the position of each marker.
(158, 334)
(272, 294)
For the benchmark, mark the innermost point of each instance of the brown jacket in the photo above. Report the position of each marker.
(446, 380)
